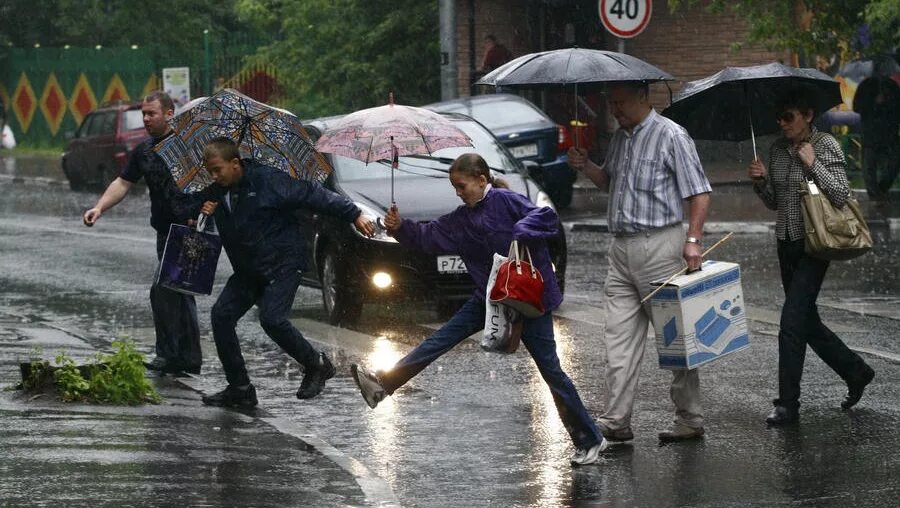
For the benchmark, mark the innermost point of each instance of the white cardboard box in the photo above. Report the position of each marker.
(700, 317)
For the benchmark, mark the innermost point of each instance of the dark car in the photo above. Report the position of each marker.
(100, 148)
(529, 134)
(352, 269)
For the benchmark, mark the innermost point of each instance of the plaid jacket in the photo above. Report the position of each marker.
(779, 191)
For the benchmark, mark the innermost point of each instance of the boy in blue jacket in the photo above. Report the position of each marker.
(489, 220)
(261, 235)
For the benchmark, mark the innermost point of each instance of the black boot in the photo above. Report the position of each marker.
(314, 379)
(782, 415)
(856, 388)
(233, 396)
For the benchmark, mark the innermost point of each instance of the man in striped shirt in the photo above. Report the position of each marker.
(651, 168)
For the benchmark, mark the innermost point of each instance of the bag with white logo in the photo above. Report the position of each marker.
(502, 323)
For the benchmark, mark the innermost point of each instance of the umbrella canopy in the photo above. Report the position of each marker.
(387, 132)
(737, 103)
(572, 66)
(270, 135)
(373, 134)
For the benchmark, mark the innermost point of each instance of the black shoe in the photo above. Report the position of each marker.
(232, 396)
(783, 416)
(616, 435)
(158, 364)
(314, 380)
(855, 389)
(179, 370)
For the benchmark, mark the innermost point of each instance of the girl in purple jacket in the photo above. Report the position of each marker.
(489, 220)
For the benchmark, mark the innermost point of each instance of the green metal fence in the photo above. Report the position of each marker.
(46, 92)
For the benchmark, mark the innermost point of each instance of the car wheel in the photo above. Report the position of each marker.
(75, 182)
(341, 305)
(107, 175)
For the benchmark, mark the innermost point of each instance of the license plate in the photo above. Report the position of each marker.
(523, 151)
(451, 264)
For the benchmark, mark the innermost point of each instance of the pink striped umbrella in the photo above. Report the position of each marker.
(387, 132)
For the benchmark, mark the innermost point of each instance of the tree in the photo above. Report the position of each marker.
(336, 56)
(816, 27)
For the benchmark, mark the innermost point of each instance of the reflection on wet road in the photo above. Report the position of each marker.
(478, 429)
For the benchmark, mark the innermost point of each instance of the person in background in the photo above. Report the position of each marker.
(490, 218)
(263, 239)
(651, 170)
(877, 100)
(174, 314)
(495, 54)
(803, 152)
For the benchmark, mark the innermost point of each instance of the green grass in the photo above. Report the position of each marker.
(33, 151)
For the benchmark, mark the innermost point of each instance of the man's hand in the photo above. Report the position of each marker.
(209, 208)
(693, 254)
(578, 157)
(756, 170)
(90, 217)
(365, 225)
(392, 220)
(807, 155)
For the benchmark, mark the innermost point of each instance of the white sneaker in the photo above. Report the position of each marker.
(369, 385)
(585, 456)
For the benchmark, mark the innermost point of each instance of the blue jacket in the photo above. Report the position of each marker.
(476, 233)
(262, 232)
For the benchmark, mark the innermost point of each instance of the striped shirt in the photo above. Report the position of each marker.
(780, 189)
(651, 171)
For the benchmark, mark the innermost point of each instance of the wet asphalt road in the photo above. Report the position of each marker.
(479, 430)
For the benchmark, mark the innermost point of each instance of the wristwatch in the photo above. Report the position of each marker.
(692, 239)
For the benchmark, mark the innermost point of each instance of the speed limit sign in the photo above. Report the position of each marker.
(625, 18)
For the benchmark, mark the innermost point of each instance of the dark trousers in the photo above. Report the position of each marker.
(274, 301)
(175, 320)
(881, 165)
(802, 276)
(537, 335)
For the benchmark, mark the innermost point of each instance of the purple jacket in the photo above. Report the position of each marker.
(475, 234)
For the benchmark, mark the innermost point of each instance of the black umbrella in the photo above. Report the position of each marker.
(737, 103)
(571, 68)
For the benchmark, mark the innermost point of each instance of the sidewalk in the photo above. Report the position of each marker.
(177, 452)
(734, 207)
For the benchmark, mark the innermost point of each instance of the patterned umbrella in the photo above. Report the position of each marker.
(270, 135)
(387, 132)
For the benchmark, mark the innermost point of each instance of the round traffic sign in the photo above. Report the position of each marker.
(625, 18)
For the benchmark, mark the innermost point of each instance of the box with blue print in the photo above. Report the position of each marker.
(700, 317)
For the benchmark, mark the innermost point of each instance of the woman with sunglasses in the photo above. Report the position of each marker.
(803, 152)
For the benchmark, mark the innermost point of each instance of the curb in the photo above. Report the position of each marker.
(738, 228)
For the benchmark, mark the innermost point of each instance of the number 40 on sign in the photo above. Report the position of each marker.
(625, 18)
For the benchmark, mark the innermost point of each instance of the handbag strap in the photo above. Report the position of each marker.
(530, 262)
(201, 222)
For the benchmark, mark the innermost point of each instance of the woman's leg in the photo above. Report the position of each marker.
(467, 320)
(537, 335)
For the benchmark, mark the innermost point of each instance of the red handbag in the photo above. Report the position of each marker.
(519, 284)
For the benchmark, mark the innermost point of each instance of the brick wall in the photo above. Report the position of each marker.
(693, 44)
(505, 19)
(689, 44)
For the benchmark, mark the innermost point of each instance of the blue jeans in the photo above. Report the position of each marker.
(802, 276)
(537, 335)
(175, 320)
(274, 302)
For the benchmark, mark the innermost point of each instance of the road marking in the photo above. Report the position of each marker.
(884, 355)
(378, 492)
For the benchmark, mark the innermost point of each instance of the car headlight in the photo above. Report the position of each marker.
(542, 199)
(381, 234)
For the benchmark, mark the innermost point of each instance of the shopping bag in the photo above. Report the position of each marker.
(7, 138)
(502, 324)
(832, 233)
(519, 284)
(189, 260)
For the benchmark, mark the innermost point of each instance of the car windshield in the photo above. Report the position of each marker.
(498, 114)
(435, 165)
(133, 119)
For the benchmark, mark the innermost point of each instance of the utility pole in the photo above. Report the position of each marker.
(449, 63)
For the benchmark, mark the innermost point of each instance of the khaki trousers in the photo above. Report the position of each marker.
(634, 262)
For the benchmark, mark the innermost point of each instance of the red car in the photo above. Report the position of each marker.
(100, 148)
